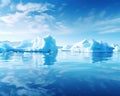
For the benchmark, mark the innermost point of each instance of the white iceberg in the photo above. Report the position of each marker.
(32, 45)
(82, 46)
(47, 44)
(66, 48)
(91, 46)
(116, 47)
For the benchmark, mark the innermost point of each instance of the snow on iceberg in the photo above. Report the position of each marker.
(48, 44)
(32, 45)
(82, 46)
(91, 46)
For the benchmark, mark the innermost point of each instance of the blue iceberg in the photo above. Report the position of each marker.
(5, 46)
(47, 44)
(91, 46)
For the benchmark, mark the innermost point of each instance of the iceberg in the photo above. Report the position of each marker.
(32, 45)
(101, 47)
(116, 47)
(91, 46)
(5, 46)
(50, 45)
(82, 46)
(66, 47)
(47, 44)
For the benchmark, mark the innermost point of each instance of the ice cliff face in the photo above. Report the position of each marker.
(50, 45)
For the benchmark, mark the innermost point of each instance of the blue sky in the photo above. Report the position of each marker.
(68, 21)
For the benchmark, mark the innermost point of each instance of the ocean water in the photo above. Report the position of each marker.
(60, 74)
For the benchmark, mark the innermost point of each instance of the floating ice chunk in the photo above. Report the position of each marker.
(82, 46)
(91, 46)
(66, 47)
(47, 44)
(116, 47)
(101, 47)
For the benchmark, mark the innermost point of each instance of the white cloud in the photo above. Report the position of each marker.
(12, 19)
(34, 24)
(29, 7)
(4, 3)
(108, 26)
(5, 33)
(98, 23)
(109, 21)
(112, 30)
(21, 23)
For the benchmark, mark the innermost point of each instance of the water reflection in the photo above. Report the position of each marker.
(75, 79)
(101, 56)
(28, 58)
(49, 58)
(6, 55)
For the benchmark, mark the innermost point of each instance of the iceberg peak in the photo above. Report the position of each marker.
(50, 44)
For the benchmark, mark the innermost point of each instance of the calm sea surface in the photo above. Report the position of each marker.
(61, 74)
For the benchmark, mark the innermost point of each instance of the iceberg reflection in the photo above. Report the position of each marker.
(26, 58)
(101, 56)
(38, 59)
(26, 74)
(49, 58)
(6, 56)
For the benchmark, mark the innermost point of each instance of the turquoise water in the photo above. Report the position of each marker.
(62, 74)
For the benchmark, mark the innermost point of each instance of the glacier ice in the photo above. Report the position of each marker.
(116, 47)
(47, 44)
(33, 45)
(66, 47)
(91, 46)
(82, 46)
(5, 46)
(50, 45)
(37, 43)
